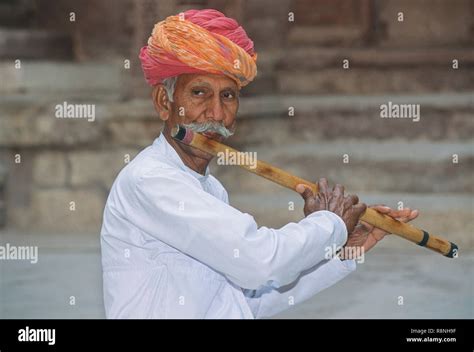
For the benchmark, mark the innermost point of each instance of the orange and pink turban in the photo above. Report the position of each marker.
(199, 41)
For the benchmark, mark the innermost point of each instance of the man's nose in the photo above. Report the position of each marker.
(215, 110)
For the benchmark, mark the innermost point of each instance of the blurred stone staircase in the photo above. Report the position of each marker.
(304, 113)
(319, 70)
(389, 160)
(374, 70)
(19, 39)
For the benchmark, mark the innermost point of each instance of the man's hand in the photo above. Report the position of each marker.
(366, 236)
(347, 207)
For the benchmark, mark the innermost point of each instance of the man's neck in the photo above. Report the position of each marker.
(197, 164)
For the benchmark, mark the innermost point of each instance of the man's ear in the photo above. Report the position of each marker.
(161, 102)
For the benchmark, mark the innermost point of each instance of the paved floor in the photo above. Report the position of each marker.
(68, 271)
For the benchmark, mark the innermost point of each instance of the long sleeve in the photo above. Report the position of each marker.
(172, 207)
(269, 301)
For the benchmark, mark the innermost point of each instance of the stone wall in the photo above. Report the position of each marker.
(52, 162)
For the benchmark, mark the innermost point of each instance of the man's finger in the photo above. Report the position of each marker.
(400, 213)
(323, 186)
(305, 191)
(338, 190)
(412, 216)
(402, 219)
(366, 224)
(300, 188)
(381, 208)
(359, 208)
(353, 198)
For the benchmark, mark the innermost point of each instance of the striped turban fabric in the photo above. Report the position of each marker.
(199, 41)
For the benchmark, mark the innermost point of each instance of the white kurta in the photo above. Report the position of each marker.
(172, 247)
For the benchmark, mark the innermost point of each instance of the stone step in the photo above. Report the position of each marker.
(373, 81)
(310, 58)
(447, 215)
(51, 79)
(14, 13)
(265, 82)
(320, 71)
(35, 45)
(29, 120)
(58, 175)
(394, 166)
(318, 118)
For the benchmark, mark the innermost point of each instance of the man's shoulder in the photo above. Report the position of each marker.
(149, 164)
(221, 191)
(216, 182)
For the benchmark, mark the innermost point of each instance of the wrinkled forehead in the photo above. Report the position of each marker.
(211, 80)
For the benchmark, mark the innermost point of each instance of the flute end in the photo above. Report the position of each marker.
(178, 132)
(182, 134)
(453, 252)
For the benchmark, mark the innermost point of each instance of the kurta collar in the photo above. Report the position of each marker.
(162, 145)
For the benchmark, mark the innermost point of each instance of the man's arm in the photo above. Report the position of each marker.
(268, 301)
(173, 208)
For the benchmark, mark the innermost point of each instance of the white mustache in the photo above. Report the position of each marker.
(210, 126)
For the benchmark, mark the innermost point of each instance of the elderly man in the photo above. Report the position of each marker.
(172, 246)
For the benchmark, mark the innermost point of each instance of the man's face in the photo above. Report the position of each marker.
(199, 99)
(203, 98)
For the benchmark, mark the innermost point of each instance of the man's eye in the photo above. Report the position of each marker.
(198, 92)
(229, 95)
